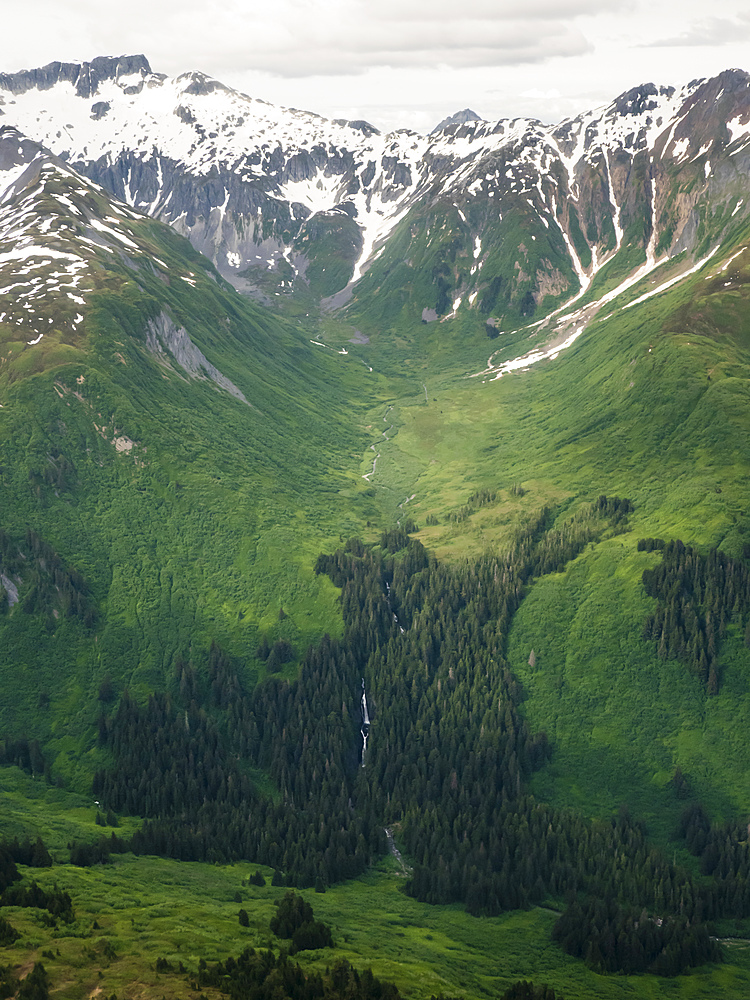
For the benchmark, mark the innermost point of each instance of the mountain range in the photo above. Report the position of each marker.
(373, 512)
(280, 199)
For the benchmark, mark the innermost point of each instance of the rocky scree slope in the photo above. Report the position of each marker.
(508, 219)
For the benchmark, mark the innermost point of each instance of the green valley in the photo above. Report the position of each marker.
(430, 602)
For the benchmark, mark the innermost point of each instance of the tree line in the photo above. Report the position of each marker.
(46, 584)
(698, 596)
(266, 976)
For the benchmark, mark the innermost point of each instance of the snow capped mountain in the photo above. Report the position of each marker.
(284, 201)
(202, 157)
(64, 243)
(55, 226)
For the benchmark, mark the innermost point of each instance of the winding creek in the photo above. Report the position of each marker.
(369, 475)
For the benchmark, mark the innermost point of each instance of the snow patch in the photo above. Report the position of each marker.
(737, 128)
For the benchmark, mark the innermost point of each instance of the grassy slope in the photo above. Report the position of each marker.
(429, 262)
(207, 527)
(148, 908)
(650, 404)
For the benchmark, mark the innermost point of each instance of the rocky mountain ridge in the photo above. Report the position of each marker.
(284, 201)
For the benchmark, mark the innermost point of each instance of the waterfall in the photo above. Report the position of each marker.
(365, 730)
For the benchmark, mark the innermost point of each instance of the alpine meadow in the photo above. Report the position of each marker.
(374, 547)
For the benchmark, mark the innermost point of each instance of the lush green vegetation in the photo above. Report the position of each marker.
(168, 640)
(429, 263)
(157, 497)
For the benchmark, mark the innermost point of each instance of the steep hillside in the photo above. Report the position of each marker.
(179, 454)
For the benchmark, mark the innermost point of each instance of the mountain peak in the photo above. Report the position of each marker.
(641, 99)
(467, 115)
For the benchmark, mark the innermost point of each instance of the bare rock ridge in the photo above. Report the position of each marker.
(164, 336)
(85, 77)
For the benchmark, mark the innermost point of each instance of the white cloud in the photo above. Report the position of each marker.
(710, 31)
(536, 94)
(297, 38)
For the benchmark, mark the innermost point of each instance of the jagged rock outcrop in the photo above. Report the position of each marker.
(86, 77)
(163, 337)
(467, 115)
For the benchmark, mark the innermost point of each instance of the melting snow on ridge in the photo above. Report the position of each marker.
(497, 371)
(673, 281)
(242, 135)
(319, 193)
(738, 128)
(733, 257)
(47, 272)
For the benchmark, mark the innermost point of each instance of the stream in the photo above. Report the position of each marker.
(368, 475)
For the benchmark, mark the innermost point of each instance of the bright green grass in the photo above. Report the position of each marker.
(148, 908)
(619, 719)
(216, 526)
(207, 529)
(30, 806)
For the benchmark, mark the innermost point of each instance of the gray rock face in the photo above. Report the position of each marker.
(11, 590)
(359, 125)
(164, 336)
(85, 76)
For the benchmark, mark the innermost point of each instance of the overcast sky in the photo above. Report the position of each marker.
(398, 63)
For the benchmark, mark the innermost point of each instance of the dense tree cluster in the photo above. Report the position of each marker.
(614, 938)
(21, 852)
(650, 544)
(36, 985)
(724, 852)
(8, 982)
(524, 990)
(201, 804)
(263, 976)
(292, 911)
(13, 852)
(96, 853)
(46, 584)
(23, 753)
(294, 920)
(8, 933)
(8, 871)
(479, 499)
(56, 901)
(698, 596)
